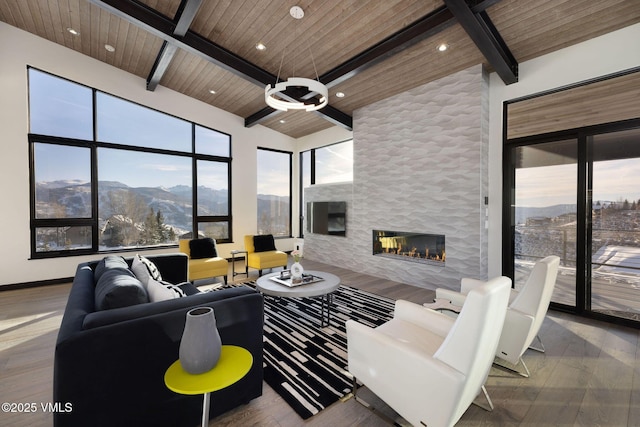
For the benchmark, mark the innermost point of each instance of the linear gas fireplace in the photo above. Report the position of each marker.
(407, 246)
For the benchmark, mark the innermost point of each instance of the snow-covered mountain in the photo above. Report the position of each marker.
(72, 199)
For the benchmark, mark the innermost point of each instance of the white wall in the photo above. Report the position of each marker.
(613, 52)
(19, 49)
(324, 137)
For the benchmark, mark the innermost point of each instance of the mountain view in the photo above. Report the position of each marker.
(121, 206)
(273, 215)
(615, 240)
(524, 213)
(131, 216)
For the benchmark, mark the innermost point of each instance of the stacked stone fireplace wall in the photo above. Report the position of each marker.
(420, 165)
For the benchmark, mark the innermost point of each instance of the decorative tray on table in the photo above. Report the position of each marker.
(284, 278)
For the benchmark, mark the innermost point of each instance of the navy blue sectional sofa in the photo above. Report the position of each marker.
(109, 364)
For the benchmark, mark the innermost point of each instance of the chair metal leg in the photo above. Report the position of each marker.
(525, 373)
(354, 392)
(541, 348)
(489, 405)
(486, 395)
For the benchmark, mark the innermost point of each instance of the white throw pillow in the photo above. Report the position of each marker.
(159, 291)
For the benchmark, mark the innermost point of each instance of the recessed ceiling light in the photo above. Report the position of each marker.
(283, 121)
(340, 94)
(109, 48)
(442, 47)
(73, 31)
(212, 92)
(260, 46)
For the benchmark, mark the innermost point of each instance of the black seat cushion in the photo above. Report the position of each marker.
(202, 248)
(107, 263)
(119, 287)
(264, 243)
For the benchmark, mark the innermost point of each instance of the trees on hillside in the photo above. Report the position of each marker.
(132, 222)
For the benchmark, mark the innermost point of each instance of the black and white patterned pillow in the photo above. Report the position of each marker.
(144, 269)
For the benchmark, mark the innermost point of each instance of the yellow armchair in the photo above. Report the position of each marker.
(204, 265)
(262, 253)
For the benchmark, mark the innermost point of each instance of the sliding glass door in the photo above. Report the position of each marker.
(615, 234)
(545, 212)
(578, 197)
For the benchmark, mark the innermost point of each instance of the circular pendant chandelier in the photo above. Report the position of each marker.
(278, 102)
(316, 94)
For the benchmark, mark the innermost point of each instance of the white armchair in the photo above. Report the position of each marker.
(425, 365)
(527, 310)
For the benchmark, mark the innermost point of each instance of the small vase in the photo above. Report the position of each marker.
(296, 272)
(200, 345)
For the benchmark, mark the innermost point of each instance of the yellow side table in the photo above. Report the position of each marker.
(234, 363)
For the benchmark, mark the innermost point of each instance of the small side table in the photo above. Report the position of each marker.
(234, 363)
(233, 262)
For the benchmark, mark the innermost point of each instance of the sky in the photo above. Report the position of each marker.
(273, 169)
(334, 163)
(144, 169)
(62, 108)
(613, 180)
(134, 169)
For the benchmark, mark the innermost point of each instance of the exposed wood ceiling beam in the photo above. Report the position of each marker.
(483, 33)
(423, 28)
(478, 6)
(164, 58)
(261, 116)
(336, 117)
(186, 14)
(162, 27)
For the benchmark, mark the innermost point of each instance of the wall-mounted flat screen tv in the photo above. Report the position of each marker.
(327, 218)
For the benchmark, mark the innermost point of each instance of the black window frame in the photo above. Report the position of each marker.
(583, 211)
(94, 145)
(312, 166)
(290, 188)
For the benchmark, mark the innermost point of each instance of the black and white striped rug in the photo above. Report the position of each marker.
(307, 364)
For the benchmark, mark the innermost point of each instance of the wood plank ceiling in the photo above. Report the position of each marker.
(367, 49)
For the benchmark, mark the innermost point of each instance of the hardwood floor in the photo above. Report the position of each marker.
(588, 376)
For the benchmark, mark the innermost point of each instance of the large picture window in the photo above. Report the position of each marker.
(274, 192)
(131, 178)
(334, 163)
(325, 165)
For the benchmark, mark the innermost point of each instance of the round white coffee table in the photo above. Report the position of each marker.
(324, 288)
